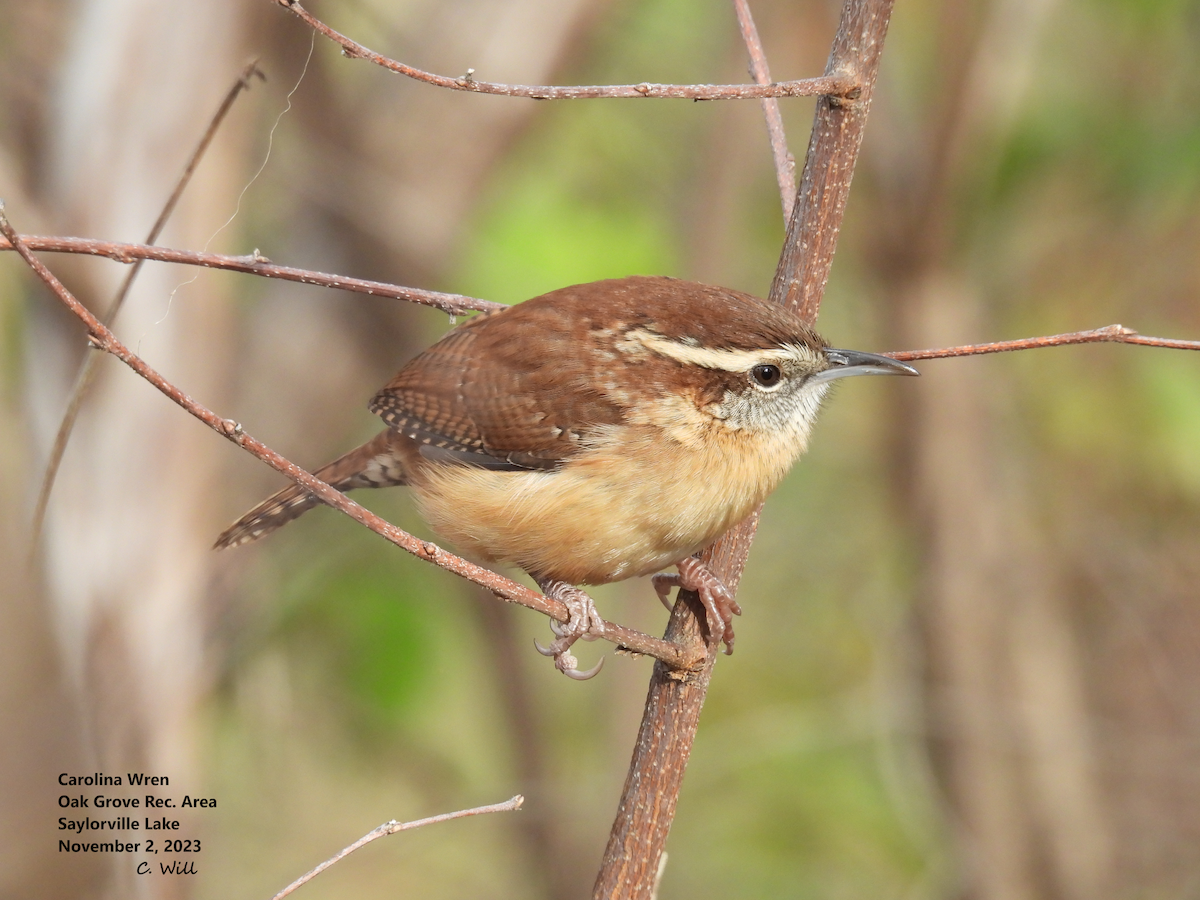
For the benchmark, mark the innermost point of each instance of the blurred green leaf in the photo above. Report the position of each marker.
(372, 631)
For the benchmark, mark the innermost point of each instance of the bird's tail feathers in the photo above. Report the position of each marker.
(374, 464)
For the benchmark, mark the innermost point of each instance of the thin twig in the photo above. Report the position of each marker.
(785, 164)
(835, 84)
(253, 264)
(458, 304)
(87, 371)
(393, 827)
(505, 588)
(1118, 334)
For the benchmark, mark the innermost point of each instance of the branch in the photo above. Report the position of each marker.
(829, 164)
(253, 264)
(1117, 334)
(458, 304)
(785, 165)
(505, 588)
(87, 371)
(393, 827)
(633, 856)
(831, 83)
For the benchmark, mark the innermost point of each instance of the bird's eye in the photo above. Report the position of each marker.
(766, 375)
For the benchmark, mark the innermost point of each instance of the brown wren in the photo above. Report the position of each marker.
(596, 433)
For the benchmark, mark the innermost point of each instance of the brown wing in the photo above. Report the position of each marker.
(506, 390)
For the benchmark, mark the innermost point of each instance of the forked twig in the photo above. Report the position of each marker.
(394, 827)
(102, 338)
(785, 164)
(87, 371)
(837, 84)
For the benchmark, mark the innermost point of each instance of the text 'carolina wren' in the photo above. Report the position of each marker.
(596, 433)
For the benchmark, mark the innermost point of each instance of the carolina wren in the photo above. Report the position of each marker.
(596, 433)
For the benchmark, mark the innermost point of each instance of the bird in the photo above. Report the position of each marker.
(599, 432)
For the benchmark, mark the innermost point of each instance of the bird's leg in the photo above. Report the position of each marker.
(584, 622)
(718, 602)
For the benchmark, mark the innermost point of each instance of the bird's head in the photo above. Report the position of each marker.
(747, 364)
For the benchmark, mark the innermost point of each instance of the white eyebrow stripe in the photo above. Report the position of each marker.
(725, 360)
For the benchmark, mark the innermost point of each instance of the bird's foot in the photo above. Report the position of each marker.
(718, 602)
(584, 622)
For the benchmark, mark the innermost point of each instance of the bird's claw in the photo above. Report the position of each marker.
(572, 671)
(583, 622)
(565, 661)
(719, 604)
(662, 586)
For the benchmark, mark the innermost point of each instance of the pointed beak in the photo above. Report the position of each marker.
(844, 363)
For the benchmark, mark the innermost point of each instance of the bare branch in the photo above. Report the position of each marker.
(632, 860)
(457, 304)
(504, 588)
(1118, 334)
(833, 83)
(785, 164)
(393, 827)
(87, 371)
(807, 256)
(253, 264)
(1169, 343)
(668, 729)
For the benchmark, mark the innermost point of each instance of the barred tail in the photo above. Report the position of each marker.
(377, 463)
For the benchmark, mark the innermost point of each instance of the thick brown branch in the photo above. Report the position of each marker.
(831, 83)
(254, 264)
(1118, 334)
(829, 164)
(785, 165)
(504, 588)
(635, 846)
(633, 858)
(394, 827)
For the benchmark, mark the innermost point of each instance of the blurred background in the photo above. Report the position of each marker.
(969, 664)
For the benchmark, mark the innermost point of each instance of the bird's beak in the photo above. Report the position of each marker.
(844, 363)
